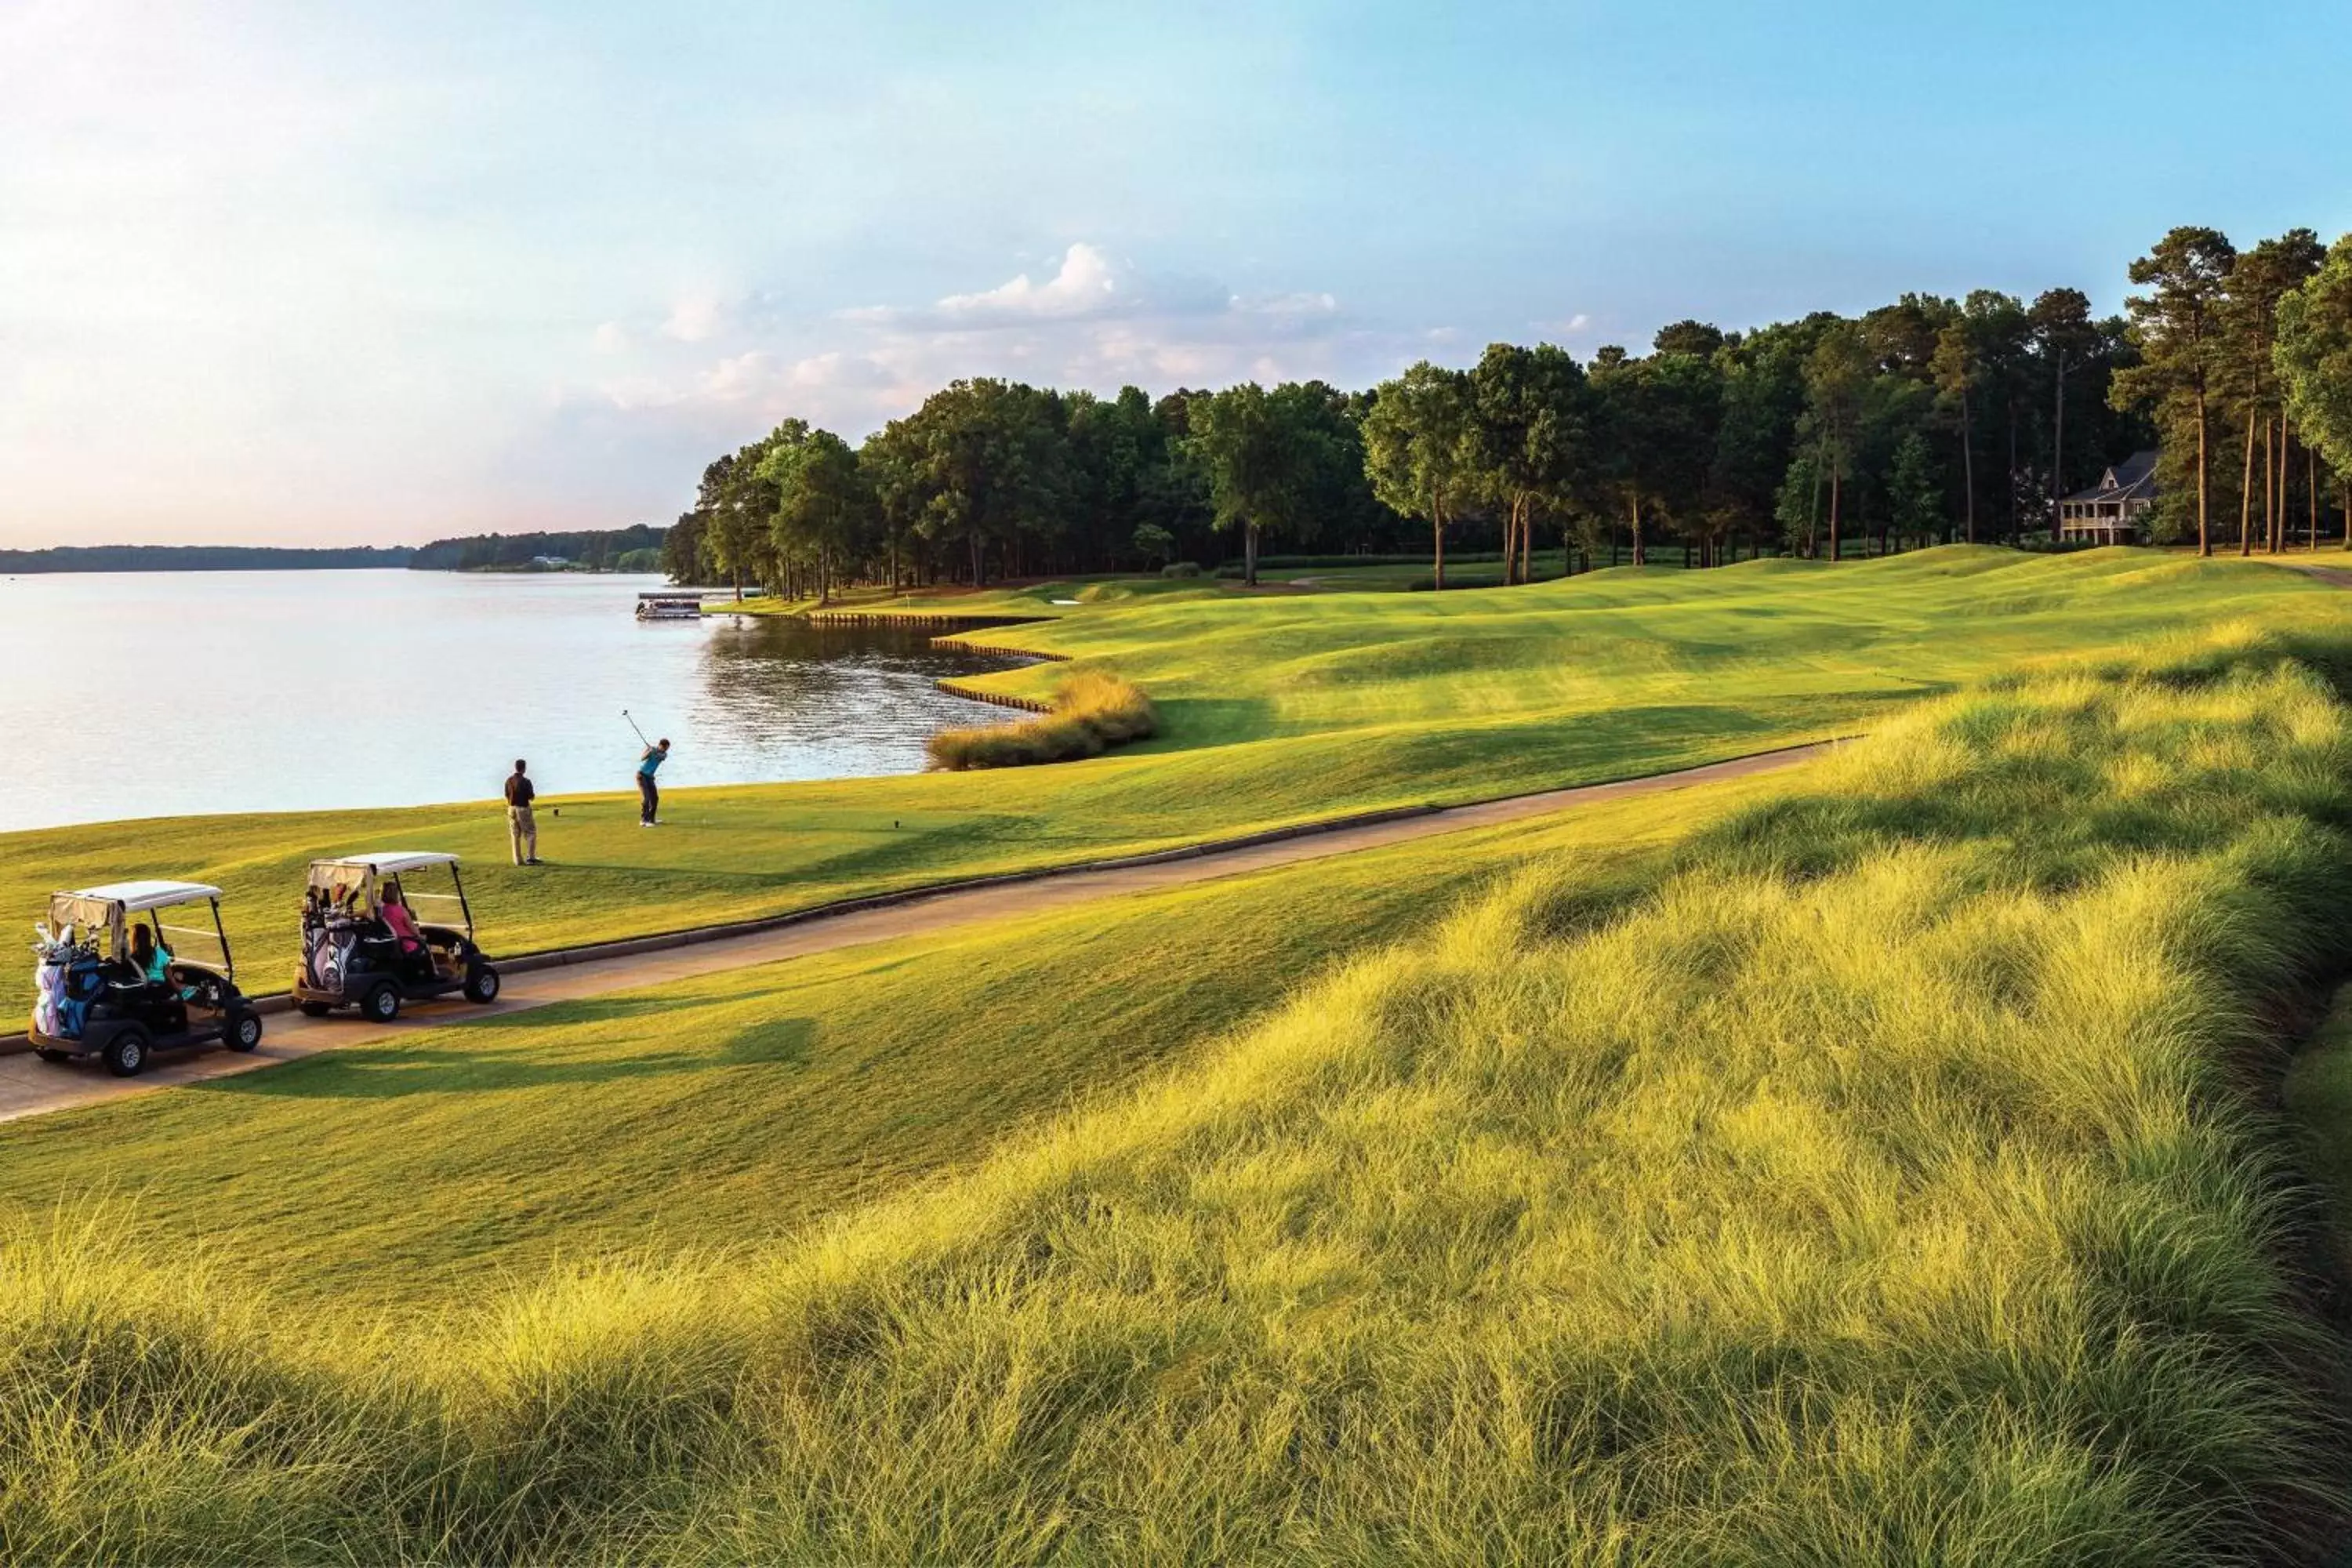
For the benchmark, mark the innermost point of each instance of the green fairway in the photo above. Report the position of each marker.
(738, 1108)
(1275, 710)
(1873, 1168)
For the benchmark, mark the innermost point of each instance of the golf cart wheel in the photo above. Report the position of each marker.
(244, 1031)
(126, 1053)
(47, 1055)
(380, 1005)
(481, 983)
(314, 1009)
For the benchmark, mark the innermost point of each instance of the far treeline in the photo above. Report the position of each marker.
(1928, 420)
(198, 558)
(636, 548)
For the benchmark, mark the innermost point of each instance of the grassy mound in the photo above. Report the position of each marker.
(1884, 1179)
(1093, 710)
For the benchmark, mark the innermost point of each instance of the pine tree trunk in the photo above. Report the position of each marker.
(1813, 510)
(2311, 488)
(1438, 539)
(2271, 509)
(2204, 529)
(1249, 553)
(2246, 494)
(1967, 476)
(2058, 451)
(1641, 557)
(2011, 400)
(1835, 488)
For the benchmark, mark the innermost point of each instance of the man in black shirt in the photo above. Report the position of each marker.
(522, 832)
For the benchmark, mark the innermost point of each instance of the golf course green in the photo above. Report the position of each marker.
(1874, 1161)
(1274, 711)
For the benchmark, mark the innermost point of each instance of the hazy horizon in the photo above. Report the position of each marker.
(272, 276)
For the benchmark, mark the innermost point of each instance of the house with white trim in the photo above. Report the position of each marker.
(2114, 510)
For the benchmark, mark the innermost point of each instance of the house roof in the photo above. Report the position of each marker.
(2132, 480)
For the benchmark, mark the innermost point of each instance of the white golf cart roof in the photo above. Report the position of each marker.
(392, 862)
(135, 897)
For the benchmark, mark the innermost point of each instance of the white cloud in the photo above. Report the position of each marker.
(1085, 284)
(696, 318)
(1093, 320)
(1088, 284)
(739, 378)
(610, 338)
(1289, 305)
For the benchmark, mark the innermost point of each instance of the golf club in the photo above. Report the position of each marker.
(633, 724)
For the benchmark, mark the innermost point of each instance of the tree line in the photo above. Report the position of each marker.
(1926, 420)
(635, 548)
(201, 558)
(2249, 348)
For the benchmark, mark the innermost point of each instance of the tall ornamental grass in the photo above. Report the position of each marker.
(1889, 1181)
(1093, 710)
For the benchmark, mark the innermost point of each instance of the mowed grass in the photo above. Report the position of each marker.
(1274, 709)
(1879, 1175)
(739, 1107)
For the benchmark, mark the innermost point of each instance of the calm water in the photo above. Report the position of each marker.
(158, 693)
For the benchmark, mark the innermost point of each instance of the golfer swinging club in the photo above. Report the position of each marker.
(649, 763)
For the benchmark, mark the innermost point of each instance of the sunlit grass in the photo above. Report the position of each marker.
(1273, 711)
(426, 1167)
(1093, 710)
(1881, 1176)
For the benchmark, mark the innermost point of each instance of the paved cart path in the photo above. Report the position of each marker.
(30, 1086)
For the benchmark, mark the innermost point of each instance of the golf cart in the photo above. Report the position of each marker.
(91, 999)
(353, 957)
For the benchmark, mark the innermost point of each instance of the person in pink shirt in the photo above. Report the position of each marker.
(396, 916)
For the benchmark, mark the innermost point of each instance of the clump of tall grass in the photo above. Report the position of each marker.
(1093, 710)
(1888, 1181)
(144, 1418)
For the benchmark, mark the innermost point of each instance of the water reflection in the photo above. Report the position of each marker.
(793, 699)
(150, 694)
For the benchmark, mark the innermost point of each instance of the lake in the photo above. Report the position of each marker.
(149, 694)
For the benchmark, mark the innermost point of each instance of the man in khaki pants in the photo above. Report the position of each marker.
(522, 832)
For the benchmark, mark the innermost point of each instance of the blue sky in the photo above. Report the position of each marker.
(339, 273)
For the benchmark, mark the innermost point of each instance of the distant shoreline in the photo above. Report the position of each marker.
(633, 550)
(200, 558)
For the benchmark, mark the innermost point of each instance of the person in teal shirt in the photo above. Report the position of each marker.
(149, 957)
(649, 793)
